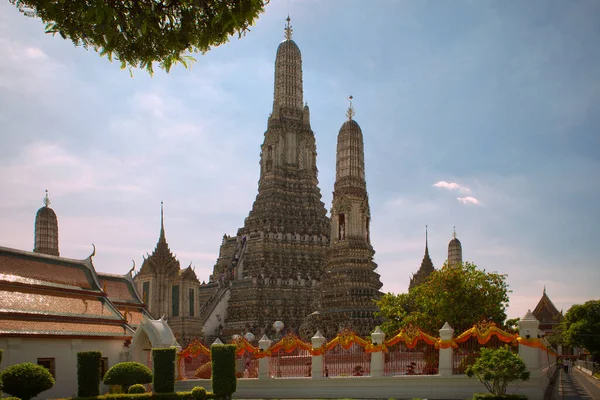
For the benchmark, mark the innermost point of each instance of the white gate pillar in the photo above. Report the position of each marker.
(317, 361)
(377, 361)
(529, 329)
(445, 367)
(263, 363)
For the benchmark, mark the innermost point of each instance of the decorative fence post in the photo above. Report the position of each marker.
(445, 367)
(529, 331)
(317, 360)
(263, 363)
(377, 360)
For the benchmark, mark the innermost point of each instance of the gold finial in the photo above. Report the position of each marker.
(350, 113)
(288, 29)
(46, 199)
(454, 232)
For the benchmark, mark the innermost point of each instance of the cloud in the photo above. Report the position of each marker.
(452, 186)
(469, 200)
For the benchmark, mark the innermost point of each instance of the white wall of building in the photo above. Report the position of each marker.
(64, 352)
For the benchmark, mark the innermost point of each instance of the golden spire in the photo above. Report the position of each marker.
(350, 113)
(46, 199)
(288, 29)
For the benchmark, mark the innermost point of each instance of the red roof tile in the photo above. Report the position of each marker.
(12, 326)
(54, 304)
(34, 269)
(118, 289)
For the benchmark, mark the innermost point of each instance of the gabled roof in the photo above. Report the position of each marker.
(25, 267)
(119, 288)
(44, 295)
(546, 311)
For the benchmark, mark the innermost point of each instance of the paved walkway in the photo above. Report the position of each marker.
(576, 385)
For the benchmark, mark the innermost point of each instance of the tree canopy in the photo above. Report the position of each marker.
(581, 327)
(460, 295)
(496, 368)
(139, 33)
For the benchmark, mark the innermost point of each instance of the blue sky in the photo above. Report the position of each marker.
(476, 114)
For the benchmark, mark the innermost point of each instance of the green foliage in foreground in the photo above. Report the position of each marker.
(581, 325)
(157, 396)
(26, 380)
(496, 368)
(128, 373)
(140, 33)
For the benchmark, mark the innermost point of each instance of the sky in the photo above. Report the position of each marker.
(482, 115)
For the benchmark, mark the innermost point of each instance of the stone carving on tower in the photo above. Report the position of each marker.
(425, 270)
(273, 263)
(170, 291)
(454, 251)
(350, 284)
(46, 230)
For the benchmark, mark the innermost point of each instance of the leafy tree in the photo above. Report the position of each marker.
(496, 368)
(139, 33)
(128, 373)
(26, 380)
(460, 295)
(581, 327)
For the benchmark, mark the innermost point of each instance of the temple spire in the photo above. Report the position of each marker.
(350, 113)
(288, 29)
(426, 242)
(454, 232)
(162, 223)
(46, 199)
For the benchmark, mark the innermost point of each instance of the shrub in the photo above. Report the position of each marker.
(88, 373)
(223, 370)
(136, 389)
(199, 393)
(164, 369)
(496, 368)
(27, 380)
(127, 374)
(489, 396)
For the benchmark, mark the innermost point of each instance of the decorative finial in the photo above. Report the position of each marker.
(162, 221)
(544, 290)
(47, 199)
(350, 113)
(426, 236)
(454, 233)
(288, 29)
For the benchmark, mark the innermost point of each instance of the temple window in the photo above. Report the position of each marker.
(49, 364)
(341, 226)
(175, 301)
(146, 292)
(191, 299)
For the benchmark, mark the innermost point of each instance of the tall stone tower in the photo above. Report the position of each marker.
(350, 284)
(274, 262)
(425, 270)
(454, 251)
(46, 230)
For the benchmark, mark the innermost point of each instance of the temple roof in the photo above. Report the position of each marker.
(546, 311)
(44, 295)
(31, 268)
(119, 288)
(426, 267)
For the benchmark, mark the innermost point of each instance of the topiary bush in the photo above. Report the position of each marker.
(163, 361)
(199, 393)
(127, 374)
(224, 382)
(136, 389)
(496, 368)
(27, 380)
(88, 373)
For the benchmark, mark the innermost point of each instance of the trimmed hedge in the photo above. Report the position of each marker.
(489, 396)
(157, 396)
(127, 374)
(224, 382)
(88, 373)
(26, 380)
(199, 393)
(163, 361)
(136, 389)
(0, 374)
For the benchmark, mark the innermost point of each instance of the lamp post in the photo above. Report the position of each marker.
(278, 326)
